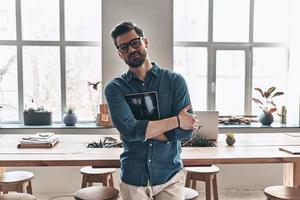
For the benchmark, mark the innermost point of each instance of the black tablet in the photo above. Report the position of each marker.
(144, 106)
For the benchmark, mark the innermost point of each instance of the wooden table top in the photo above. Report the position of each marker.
(72, 151)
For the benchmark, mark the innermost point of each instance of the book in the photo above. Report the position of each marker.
(291, 149)
(39, 140)
(38, 145)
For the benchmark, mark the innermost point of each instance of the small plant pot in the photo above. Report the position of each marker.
(266, 118)
(70, 119)
(37, 118)
(230, 141)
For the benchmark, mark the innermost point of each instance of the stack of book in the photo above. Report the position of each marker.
(39, 140)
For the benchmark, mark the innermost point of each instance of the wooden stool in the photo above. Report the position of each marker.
(190, 194)
(282, 193)
(16, 181)
(17, 196)
(97, 193)
(205, 174)
(97, 175)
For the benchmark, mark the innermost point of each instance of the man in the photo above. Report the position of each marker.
(151, 167)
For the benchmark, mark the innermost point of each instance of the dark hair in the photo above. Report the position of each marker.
(125, 27)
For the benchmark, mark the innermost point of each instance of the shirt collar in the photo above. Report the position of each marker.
(154, 70)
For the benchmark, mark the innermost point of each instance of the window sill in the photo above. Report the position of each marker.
(54, 126)
(256, 127)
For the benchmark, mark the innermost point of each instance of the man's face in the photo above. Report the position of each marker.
(132, 48)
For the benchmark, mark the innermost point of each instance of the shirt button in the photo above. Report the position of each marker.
(150, 144)
(149, 160)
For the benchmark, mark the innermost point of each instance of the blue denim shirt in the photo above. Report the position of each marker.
(148, 161)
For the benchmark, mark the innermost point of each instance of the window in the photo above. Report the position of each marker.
(49, 51)
(192, 63)
(226, 48)
(230, 75)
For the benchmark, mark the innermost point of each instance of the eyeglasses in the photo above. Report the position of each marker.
(134, 43)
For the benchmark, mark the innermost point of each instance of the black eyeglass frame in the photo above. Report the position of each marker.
(130, 43)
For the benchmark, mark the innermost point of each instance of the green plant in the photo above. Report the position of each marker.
(266, 103)
(70, 110)
(230, 135)
(34, 108)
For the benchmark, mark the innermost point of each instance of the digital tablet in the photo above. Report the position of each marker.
(144, 106)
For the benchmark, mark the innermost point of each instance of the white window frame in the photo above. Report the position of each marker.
(61, 43)
(212, 47)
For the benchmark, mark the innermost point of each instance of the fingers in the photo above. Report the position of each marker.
(196, 123)
(187, 107)
(195, 126)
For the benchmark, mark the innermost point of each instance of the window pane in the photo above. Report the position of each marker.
(231, 20)
(83, 65)
(83, 20)
(41, 69)
(271, 20)
(192, 64)
(269, 69)
(230, 82)
(7, 20)
(8, 84)
(191, 20)
(40, 19)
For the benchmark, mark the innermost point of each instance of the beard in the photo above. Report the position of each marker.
(136, 59)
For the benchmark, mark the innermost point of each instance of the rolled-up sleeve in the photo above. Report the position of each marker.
(122, 117)
(181, 99)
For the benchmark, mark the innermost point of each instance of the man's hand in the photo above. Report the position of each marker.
(187, 121)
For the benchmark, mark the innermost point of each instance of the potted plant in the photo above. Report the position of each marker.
(70, 119)
(230, 140)
(37, 116)
(266, 104)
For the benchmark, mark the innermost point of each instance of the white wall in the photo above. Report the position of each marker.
(155, 17)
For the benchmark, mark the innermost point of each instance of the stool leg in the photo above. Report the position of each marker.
(208, 188)
(215, 187)
(105, 181)
(84, 181)
(89, 184)
(5, 189)
(111, 181)
(29, 188)
(194, 184)
(188, 180)
(19, 188)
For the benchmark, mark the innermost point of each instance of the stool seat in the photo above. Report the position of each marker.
(190, 194)
(16, 177)
(16, 181)
(91, 170)
(282, 193)
(17, 196)
(97, 175)
(203, 170)
(97, 193)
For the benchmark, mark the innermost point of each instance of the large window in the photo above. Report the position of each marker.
(49, 51)
(225, 48)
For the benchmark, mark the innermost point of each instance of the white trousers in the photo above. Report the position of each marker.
(171, 190)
